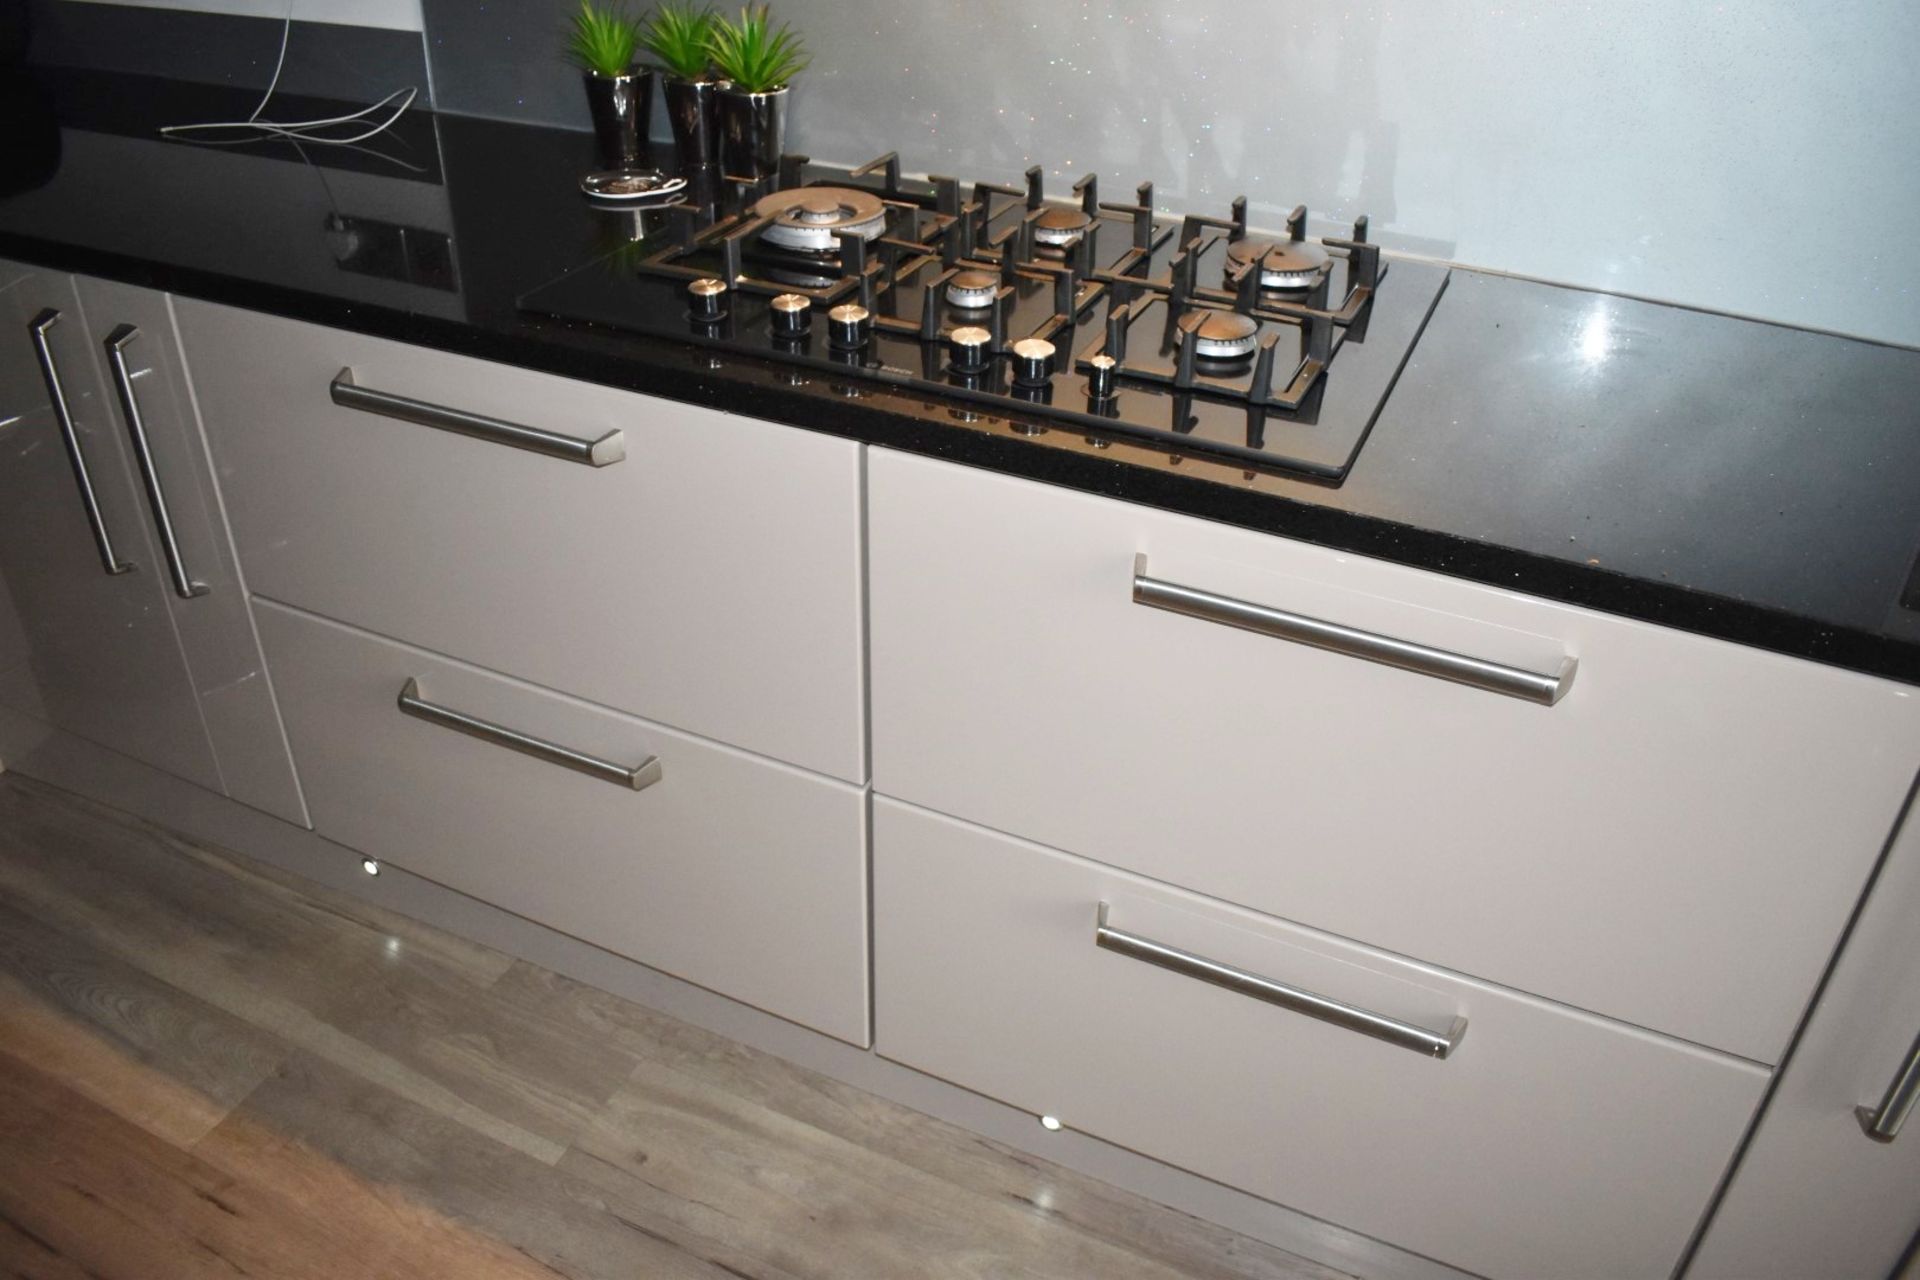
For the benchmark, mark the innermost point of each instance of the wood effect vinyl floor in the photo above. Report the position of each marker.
(208, 1069)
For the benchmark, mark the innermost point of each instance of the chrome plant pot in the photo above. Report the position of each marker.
(622, 110)
(692, 110)
(753, 131)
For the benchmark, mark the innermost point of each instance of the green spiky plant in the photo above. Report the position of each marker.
(603, 38)
(678, 35)
(752, 54)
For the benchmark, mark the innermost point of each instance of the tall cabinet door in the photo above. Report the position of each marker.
(149, 386)
(102, 659)
(1816, 1193)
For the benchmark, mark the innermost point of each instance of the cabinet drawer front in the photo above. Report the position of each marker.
(1676, 841)
(1547, 1142)
(736, 873)
(706, 575)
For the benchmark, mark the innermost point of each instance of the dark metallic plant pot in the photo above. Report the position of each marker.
(622, 109)
(753, 131)
(693, 112)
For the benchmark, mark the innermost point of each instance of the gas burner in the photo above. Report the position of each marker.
(1284, 264)
(1059, 227)
(1219, 335)
(973, 290)
(811, 218)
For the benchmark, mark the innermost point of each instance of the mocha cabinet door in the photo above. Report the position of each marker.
(721, 868)
(1545, 1143)
(1815, 1194)
(101, 657)
(147, 385)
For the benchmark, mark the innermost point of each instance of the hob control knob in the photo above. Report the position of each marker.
(709, 297)
(1032, 362)
(792, 314)
(1100, 377)
(849, 326)
(972, 347)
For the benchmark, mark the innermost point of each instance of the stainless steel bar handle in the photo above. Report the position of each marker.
(183, 584)
(637, 778)
(1432, 1044)
(1882, 1123)
(609, 448)
(1514, 682)
(102, 541)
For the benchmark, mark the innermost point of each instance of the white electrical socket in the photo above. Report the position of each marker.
(396, 15)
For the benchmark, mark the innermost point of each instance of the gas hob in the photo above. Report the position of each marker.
(1197, 335)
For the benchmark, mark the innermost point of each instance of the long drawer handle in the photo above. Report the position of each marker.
(1882, 1123)
(609, 448)
(1432, 1044)
(57, 394)
(1514, 682)
(637, 778)
(183, 584)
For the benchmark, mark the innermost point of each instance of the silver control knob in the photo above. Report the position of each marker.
(709, 298)
(792, 314)
(849, 326)
(971, 346)
(1032, 362)
(1100, 377)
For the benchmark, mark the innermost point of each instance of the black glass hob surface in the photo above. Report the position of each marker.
(1200, 335)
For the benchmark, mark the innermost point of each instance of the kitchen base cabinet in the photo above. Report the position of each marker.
(1547, 1142)
(1263, 777)
(102, 659)
(1655, 826)
(731, 871)
(1814, 1195)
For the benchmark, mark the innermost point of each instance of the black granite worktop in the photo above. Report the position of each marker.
(1741, 480)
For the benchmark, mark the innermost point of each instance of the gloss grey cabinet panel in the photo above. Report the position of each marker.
(215, 626)
(102, 658)
(1677, 842)
(1547, 1143)
(1814, 1195)
(15, 649)
(741, 874)
(707, 578)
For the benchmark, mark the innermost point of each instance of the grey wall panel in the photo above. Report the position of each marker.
(504, 61)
